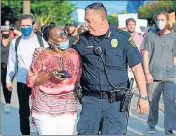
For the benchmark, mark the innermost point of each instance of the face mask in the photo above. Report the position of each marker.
(27, 31)
(5, 36)
(160, 24)
(63, 45)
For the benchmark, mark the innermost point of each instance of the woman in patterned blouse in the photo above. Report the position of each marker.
(53, 95)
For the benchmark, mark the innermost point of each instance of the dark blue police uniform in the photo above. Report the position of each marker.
(118, 51)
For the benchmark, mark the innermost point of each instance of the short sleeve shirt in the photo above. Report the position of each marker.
(162, 50)
(118, 51)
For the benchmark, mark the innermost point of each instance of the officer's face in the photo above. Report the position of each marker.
(131, 26)
(93, 21)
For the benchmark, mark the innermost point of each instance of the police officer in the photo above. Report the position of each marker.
(105, 53)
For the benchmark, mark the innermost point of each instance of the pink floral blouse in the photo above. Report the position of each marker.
(54, 97)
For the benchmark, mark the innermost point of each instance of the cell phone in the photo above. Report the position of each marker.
(65, 73)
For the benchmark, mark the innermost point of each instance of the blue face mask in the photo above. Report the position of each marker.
(63, 45)
(27, 31)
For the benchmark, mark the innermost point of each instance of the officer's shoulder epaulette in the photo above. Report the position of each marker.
(125, 33)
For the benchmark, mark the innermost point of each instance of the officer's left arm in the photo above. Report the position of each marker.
(134, 59)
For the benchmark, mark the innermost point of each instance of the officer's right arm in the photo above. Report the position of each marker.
(12, 63)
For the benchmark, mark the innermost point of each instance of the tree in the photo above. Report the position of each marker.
(11, 10)
(113, 20)
(52, 11)
(149, 10)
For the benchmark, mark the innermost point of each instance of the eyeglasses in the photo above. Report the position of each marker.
(94, 6)
(61, 35)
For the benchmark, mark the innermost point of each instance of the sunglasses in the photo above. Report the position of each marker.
(94, 6)
(61, 35)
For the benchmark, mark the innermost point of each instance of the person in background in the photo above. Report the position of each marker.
(81, 29)
(72, 33)
(138, 38)
(159, 55)
(53, 96)
(5, 44)
(19, 61)
(13, 32)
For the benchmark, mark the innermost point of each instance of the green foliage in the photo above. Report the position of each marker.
(58, 11)
(113, 20)
(52, 11)
(10, 10)
(149, 10)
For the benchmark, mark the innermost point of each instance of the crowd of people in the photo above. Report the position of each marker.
(50, 63)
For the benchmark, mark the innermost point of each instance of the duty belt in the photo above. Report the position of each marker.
(110, 95)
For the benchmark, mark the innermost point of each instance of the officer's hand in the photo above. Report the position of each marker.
(9, 86)
(142, 106)
(149, 78)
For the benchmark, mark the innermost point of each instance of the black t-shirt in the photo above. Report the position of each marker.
(4, 53)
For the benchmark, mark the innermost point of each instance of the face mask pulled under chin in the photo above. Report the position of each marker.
(63, 45)
(161, 25)
(5, 36)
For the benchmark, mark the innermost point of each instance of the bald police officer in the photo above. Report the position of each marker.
(106, 52)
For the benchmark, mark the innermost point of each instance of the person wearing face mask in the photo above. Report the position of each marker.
(5, 44)
(52, 76)
(20, 58)
(159, 58)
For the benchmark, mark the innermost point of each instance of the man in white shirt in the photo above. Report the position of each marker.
(19, 62)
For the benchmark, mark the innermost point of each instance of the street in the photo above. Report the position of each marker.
(137, 124)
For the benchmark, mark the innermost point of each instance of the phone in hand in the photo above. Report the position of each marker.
(65, 73)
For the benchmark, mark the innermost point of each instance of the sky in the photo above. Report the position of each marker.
(111, 6)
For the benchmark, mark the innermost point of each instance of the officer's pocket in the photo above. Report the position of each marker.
(114, 58)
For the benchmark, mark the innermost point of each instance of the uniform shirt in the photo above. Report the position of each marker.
(22, 59)
(162, 50)
(4, 53)
(118, 51)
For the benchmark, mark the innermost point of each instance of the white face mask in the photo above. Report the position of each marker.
(160, 24)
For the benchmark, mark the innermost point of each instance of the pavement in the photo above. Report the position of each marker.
(136, 125)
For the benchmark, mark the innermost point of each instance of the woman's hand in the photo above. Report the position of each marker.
(54, 74)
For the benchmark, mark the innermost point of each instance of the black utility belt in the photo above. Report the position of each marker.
(109, 95)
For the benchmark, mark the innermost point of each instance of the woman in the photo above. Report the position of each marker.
(5, 44)
(52, 77)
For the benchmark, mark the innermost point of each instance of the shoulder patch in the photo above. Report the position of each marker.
(76, 40)
(132, 42)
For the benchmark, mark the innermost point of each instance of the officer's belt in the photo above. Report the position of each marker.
(114, 95)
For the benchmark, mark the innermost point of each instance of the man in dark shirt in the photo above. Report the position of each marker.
(72, 32)
(106, 53)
